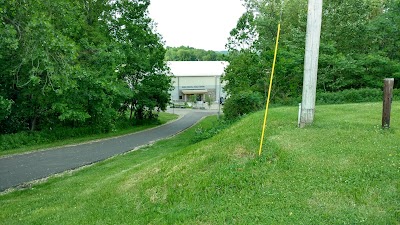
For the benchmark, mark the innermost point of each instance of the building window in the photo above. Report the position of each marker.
(180, 97)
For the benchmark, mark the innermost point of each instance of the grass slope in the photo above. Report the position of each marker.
(343, 169)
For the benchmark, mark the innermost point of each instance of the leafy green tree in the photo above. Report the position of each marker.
(246, 72)
(242, 103)
(144, 54)
(351, 56)
(152, 95)
(251, 47)
(34, 69)
(76, 63)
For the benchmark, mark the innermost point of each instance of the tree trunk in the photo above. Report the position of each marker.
(130, 116)
(33, 123)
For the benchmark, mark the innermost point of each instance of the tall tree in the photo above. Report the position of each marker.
(359, 46)
(143, 50)
(256, 32)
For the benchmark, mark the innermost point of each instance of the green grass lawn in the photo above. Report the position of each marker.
(344, 169)
(163, 118)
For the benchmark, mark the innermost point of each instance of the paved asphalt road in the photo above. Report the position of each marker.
(19, 169)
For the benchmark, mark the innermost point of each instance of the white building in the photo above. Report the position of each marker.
(199, 78)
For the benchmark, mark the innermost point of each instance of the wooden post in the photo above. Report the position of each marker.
(387, 101)
(314, 20)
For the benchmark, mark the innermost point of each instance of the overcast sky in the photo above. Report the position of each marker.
(203, 24)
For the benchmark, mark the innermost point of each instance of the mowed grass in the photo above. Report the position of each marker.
(344, 169)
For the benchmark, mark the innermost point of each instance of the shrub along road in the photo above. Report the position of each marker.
(16, 170)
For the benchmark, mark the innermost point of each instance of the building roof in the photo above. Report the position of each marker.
(197, 68)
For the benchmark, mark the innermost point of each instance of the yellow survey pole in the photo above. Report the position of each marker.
(269, 89)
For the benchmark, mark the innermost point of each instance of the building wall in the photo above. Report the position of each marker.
(197, 81)
(200, 78)
(210, 83)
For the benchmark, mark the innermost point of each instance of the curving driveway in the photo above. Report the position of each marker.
(16, 170)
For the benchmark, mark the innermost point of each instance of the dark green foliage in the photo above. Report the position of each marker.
(5, 108)
(68, 63)
(29, 138)
(191, 54)
(242, 103)
(61, 133)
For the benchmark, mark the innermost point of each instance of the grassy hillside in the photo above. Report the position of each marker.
(343, 169)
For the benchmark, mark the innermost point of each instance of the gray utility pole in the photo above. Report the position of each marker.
(314, 20)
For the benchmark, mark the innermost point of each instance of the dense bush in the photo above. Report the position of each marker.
(242, 103)
(247, 102)
(353, 96)
(30, 138)
(340, 97)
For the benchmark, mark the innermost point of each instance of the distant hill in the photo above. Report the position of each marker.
(225, 52)
(184, 53)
